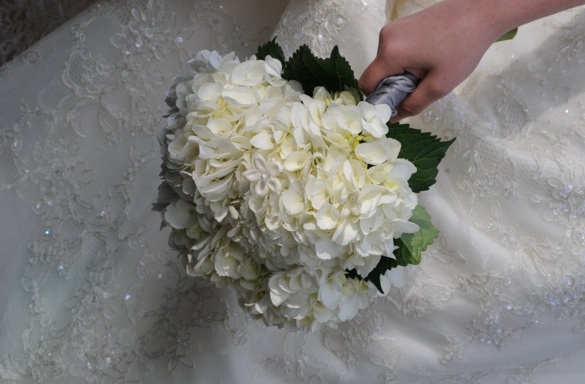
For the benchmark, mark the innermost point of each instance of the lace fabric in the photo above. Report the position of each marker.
(324, 24)
(94, 294)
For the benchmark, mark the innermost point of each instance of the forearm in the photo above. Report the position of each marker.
(501, 16)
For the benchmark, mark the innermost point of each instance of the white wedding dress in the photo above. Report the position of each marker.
(91, 292)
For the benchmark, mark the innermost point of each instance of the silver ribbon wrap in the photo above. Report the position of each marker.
(392, 90)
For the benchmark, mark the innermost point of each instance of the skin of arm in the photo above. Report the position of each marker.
(444, 43)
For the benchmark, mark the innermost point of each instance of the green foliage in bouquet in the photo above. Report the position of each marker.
(333, 73)
(271, 49)
(422, 149)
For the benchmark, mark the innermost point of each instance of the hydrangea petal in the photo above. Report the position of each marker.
(180, 215)
(372, 153)
(296, 161)
(248, 73)
(345, 233)
(330, 292)
(263, 140)
(239, 96)
(327, 217)
(293, 201)
(326, 249)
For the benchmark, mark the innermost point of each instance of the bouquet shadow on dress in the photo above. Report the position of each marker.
(280, 181)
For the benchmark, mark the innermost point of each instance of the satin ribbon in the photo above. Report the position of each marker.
(392, 90)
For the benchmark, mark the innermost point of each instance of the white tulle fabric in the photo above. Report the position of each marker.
(92, 293)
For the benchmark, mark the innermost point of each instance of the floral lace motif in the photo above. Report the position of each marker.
(318, 24)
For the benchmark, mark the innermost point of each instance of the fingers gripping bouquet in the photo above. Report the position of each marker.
(279, 181)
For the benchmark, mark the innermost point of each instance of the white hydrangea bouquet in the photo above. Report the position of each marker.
(279, 181)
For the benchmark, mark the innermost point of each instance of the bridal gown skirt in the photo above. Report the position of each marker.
(91, 292)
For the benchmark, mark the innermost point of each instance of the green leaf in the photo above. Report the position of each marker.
(424, 150)
(412, 245)
(270, 49)
(333, 73)
(509, 35)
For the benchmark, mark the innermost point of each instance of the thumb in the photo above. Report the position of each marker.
(377, 71)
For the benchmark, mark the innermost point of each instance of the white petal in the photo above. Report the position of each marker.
(370, 197)
(317, 193)
(225, 265)
(392, 147)
(295, 161)
(293, 202)
(389, 246)
(403, 169)
(345, 233)
(308, 284)
(209, 91)
(278, 297)
(343, 119)
(369, 263)
(327, 217)
(355, 173)
(220, 126)
(348, 309)
(248, 73)
(372, 153)
(239, 96)
(326, 249)
(262, 140)
(330, 293)
(272, 66)
(176, 147)
(404, 226)
(273, 69)
(214, 189)
(370, 224)
(320, 93)
(180, 215)
(375, 118)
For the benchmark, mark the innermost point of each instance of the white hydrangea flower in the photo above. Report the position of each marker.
(343, 295)
(280, 194)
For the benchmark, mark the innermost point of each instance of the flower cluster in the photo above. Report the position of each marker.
(281, 194)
